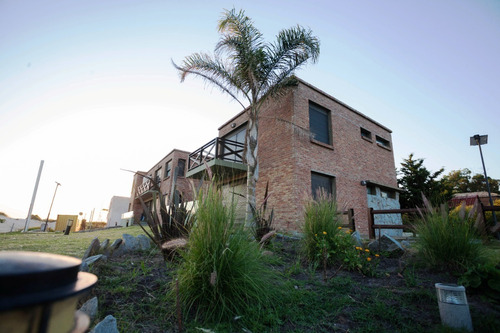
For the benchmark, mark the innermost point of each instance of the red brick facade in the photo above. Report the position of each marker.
(288, 155)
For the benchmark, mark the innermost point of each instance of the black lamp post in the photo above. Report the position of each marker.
(47, 220)
(478, 140)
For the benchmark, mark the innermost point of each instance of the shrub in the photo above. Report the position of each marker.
(223, 275)
(484, 278)
(449, 241)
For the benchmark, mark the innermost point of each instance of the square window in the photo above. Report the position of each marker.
(319, 123)
(321, 182)
(366, 134)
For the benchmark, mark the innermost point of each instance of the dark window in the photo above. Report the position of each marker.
(228, 148)
(319, 123)
(372, 190)
(321, 182)
(168, 169)
(382, 142)
(181, 166)
(366, 134)
(158, 175)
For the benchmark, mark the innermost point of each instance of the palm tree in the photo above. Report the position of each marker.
(251, 70)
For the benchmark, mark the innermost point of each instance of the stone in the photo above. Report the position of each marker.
(357, 239)
(107, 325)
(92, 260)
(90, 308)
(93, 249)
(386, 244)
(104, 246)
(144, 242)
(112, 249)
(84, 267)
(130, 243)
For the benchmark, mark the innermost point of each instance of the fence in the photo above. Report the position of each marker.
(371, 220)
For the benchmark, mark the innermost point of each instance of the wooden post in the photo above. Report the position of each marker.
(371, 231)
(350, 216)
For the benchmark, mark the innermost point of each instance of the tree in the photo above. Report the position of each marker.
(461, 181)
(416, 180)
(252, 72)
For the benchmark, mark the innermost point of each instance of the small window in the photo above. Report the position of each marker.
(366, 134)
(319, 123)
(383, 142)
(321, 182)
(388, 194)
(371, 190)
(181, 166)
(158, 175)
(168, 168)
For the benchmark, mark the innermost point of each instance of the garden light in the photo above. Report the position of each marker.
(453, 306)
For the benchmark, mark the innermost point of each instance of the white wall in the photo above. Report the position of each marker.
(117, 207)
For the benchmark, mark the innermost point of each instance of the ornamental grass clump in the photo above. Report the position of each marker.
(223, 275)
(449, 241)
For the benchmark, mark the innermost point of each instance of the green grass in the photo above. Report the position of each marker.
(73, 244)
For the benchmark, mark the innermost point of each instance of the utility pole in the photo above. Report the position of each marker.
(47, 220)
(26, 225)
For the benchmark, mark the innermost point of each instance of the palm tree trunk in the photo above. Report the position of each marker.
(252, 165)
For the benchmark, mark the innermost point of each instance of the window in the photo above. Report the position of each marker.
(168, 168)
(158, 175)
(236, 136)
(387, 194)
(371, 190)
(181, 166)
(366, 134)
(383, 142)
(322, 182)
(319, 123)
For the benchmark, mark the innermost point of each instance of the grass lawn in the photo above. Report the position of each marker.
(73, 244)
(401, 298)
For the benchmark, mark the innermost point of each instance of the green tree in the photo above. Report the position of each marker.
(251, 70)
(415, 179)
(462, 181)
(478, 184)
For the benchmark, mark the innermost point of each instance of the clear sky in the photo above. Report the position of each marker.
(88, 86)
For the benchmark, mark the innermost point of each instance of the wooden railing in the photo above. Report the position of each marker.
(218, 148)
(371, 220)
(144, 187)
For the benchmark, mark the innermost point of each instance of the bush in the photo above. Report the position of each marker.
(448, 241)
(223, 275)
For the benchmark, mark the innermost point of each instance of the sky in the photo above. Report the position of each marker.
(88, 86)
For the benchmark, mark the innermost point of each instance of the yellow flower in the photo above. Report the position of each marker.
(368, 259)
(339, 228)
(315, 235)
(366, 250)
(324, 232)
(358, 248)
(377, 255)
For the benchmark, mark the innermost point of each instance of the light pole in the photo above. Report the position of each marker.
(478, 140)
(47, 220)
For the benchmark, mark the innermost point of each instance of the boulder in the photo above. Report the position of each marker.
(107, 325)
(387, 244)
(144, 242)
(97, 258)
(113, 248)
(358, 241)
(93, 249)
(90, 308)
(104, 246)
(130, 243)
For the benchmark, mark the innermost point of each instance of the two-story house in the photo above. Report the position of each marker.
(307, 140)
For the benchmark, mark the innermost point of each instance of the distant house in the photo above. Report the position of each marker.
(117, 206)
(470, 198)
(307, 140)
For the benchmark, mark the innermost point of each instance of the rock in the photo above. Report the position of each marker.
(92, 260)
(174, 244)
(104, 246)
(108, 325)
(130, 243)
(144, 242)
(93, 249)
(90, 308)
(387, 244)
(84, 267)
(357, 239)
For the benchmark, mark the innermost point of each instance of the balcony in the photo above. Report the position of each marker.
(224, 157)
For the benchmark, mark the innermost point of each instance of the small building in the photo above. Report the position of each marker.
(470, 198)
(117, 206)
(64, 220)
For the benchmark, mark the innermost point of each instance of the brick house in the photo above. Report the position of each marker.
(163, 173)
(307, 140)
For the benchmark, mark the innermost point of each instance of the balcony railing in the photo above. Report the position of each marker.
(218, 148)
(144, 187)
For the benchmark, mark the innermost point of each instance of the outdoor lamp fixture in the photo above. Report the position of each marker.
(478, 140)
(453, 306)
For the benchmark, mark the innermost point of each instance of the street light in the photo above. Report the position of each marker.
(478, 140)
(47, 220)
